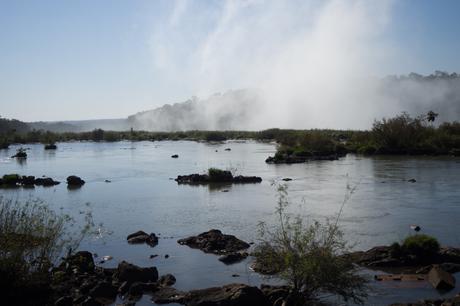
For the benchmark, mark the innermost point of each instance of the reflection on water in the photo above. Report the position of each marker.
(142, 195)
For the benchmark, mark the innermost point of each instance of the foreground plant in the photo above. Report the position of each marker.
(308, 257)
(32, 239)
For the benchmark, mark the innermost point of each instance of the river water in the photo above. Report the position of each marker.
(142, 195)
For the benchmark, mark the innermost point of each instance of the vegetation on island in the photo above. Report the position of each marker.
(419, 248)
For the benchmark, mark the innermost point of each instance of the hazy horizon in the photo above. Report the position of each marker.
(316, 62)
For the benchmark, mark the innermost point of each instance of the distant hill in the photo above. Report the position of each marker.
(233, 110)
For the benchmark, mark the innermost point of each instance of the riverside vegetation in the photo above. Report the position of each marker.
(402, 134)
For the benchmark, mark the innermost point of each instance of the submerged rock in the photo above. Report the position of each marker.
(215, 242)
(167, 280)
(175, 156)
(232, 258)
(132, 273)
(51, 146)
(45, 181)
(143, 237)
(220, 177)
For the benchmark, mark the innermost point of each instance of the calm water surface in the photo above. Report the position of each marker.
(142, 195)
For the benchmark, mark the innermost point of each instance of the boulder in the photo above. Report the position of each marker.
(175, 156)
(143, 237)
(139, 288)
(246, 179)
(232, 258)
(441, 279)
(167, 280)
(28, 180)
(104, 292)
(45, 181)
(228, 295)
(75, 181)
(81, 262)
(132, 273)
(215, 242)
(50, 146)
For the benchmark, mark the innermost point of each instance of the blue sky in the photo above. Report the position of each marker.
(65, 60)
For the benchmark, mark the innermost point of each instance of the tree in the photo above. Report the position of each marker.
(308, 256)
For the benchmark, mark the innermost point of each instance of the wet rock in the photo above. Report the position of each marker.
(228, 149)
(153, 256)
(167, 280)
(132, 273)
(167, 295)
(287, 179)
(75, 181)
(441, 279)
(232, 258)
(175, 156)
(215, 242)
(220, 177)
(142, 237)
(139, 288)
(81, 262)
(64, 301)
(45, 181)
(166, 256)
(50, 147)
(412, 180)
(28, 180)
(229, 295)
(104, 292)
(447, 266)
(21, 153)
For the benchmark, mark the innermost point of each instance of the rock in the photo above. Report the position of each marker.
(124, 287)
(232, 258)
(75, 181)
(166, 256)
(287, 179)
(132, 273)
(215, 242)
(108, 181)
(167, 280)
(143, 237)
(21, 153)
(153, 256)
(45, 181)
(275, 293)
(50, 147)
(441, 279)
(412, 180)
(228, 149)
(91, 302)
(228, 295)
(64, 301)
(28, 180)
(166, 295)
(175, 156)
(104, 292)
(235, 275)
(220, 176)
(139, 288)
(81, 261)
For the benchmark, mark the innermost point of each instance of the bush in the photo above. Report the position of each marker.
(219, 175)
(308, 257)
(420, 246)
(32, 239)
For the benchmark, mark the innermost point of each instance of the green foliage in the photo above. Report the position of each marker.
(216, 174)
(308, 257)
(32, 239)
(421, 246)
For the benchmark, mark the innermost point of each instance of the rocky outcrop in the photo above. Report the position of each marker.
(223, 177)
(142, 237)
(215, 242)
(232, 258)
(74, 181)
(130, 273)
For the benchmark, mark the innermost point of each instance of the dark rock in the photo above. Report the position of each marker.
(143, 237)
(166, 256)
(232, 258)
(21, 153)
(274, 293)
(64, 301)
(81, 261)
(104, 292)
(229, 295)
(287, 179)
(45, 181)
(153, 256)
(441, 279)
(221, 177)
(132, 273)
(215, 242)
(167, 295)
(139, 288)
(228, 149)
(75, 181)
(175, 156)
(412, 180)
(235, 275)
(28, 180)
(167, 280)
(124, 287)
(50, 147)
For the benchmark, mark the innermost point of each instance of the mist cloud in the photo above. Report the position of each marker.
(315, 64)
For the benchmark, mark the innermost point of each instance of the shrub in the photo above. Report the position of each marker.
(308, 257)
(219, 175)
(32, 239)
(420, 246)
